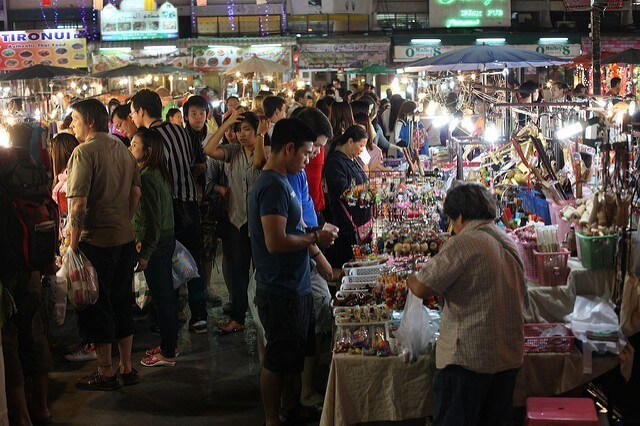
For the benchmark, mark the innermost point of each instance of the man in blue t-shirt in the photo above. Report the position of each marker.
(280, 248)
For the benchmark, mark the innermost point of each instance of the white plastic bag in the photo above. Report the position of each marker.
(184, 267)
(593, 316)
(82, 285)
(141, 289)
(415, 331)
(59, 289)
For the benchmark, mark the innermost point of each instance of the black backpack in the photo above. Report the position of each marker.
(28, 214)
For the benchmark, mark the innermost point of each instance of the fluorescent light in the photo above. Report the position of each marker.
(267, 45)
(553, 39)
(491, 133)
(425, 41)
(113, 49)
(400, 71)
(568, 131)
(160, 48)
(217, 46)
(490, 40)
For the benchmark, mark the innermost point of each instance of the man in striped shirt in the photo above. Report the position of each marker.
(146, 110)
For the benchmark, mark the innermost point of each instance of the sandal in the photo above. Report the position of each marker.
(154, 361)
(156, 351)
(229, 327)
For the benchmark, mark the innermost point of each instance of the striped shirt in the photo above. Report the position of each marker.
(178, 151)
(481, 278)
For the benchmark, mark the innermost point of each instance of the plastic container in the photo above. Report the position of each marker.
(561, 412)
(556, 218)
(526, 250)
(552, 267)
(597, 252)
(534, 343)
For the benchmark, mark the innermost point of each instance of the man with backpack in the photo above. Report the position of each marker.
(104, 190)
(28, 229)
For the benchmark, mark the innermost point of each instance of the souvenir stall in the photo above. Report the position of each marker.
(566, 204)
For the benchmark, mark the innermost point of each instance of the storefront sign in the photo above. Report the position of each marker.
(111, 59)
(611, 45)
(413, 53)
(133, 22)
(469, 13)
(23, 49)
(310, 7)
(342, 55)
(221, 58)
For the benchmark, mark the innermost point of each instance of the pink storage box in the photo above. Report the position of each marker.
(561, 412)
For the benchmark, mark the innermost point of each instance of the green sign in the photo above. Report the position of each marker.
(469, 13)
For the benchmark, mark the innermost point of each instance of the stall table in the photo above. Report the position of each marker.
(368, 389)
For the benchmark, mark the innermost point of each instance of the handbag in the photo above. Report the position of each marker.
(364, 233)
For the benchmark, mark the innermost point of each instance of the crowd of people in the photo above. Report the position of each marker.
(266, 180)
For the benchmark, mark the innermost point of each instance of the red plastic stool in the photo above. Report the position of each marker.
(561, 412)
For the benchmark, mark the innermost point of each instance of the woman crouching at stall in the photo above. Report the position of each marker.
(153, 226)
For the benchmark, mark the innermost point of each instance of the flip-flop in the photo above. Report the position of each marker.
(153, 361)
(156, 351)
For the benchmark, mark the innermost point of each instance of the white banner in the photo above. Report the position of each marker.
(413, 53)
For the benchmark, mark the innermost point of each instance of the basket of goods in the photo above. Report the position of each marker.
(546, 338)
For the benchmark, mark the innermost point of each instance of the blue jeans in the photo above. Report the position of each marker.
(466, 398)
(160, 282)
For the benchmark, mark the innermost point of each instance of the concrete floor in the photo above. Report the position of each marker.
(215, 381)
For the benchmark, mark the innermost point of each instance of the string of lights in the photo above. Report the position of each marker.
(283, 18)
(264, 22)
(54, 3)
(194, 23)
(83, 16)
(231, 14)
(44, 15)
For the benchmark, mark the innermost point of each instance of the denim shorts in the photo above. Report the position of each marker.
(289, 327)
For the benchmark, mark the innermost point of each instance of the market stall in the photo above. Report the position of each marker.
(566, 204)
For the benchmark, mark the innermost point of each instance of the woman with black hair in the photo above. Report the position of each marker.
(344, 174)
(244, 161)
(154, 228)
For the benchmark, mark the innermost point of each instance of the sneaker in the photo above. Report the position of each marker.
(96, 381)
(130, 378)
(85, 353)
(198, 327)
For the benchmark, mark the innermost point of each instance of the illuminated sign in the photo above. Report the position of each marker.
(24, 49)
(133, 22)
(469, 13)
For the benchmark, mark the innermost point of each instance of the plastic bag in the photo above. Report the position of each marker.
(59, 289)
(184, 268)
(82, 280)
(416, 329)
(141, 289)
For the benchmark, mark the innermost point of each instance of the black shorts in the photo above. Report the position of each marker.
(289, 328)
(110, 318)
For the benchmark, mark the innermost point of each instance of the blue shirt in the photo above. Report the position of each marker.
(301, 187)
(281, 274)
